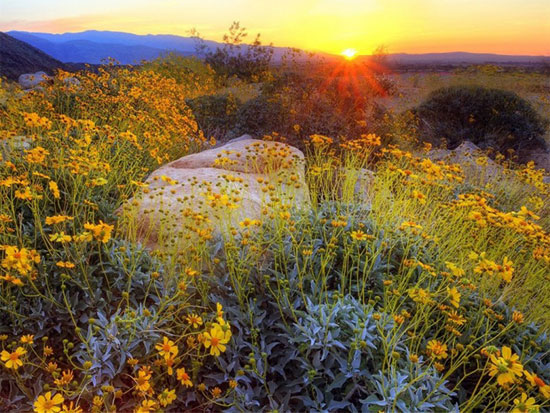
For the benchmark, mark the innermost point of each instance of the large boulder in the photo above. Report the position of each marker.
(31, 80)
(218, 191)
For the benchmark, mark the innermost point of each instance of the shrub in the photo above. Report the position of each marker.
(216, 115)
(234, 58)
(260, 116)
(488, 117)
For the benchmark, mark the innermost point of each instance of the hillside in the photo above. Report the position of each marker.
(95, 46)
(18, 57)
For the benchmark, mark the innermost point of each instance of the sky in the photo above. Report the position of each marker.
(411, 26)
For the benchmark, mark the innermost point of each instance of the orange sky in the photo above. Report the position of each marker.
(414, 26)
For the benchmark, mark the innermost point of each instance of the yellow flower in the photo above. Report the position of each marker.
(167, 397)
(517, 317)
(146, 406)
(65, 264)
(167, 347)
(436, 349)
(13, 360)
(194, 320)
(320, 140)
(27, 339)
(20, 260)
(525, 405)
(454, 295)
(55, 189)
(418, 195)
(184, 378)
(506, 270)
(456, 318)
(360, 235)
(216, 340)
(37, 155)
(65, 379)
(142, 380)
(57, 219)
(219, 310)
(455, 270)
(419, 295)
(505, 367)
(216, 392)
(60, 237)
(101, 232)
(47, 404)
(26, 194)
(71, 408)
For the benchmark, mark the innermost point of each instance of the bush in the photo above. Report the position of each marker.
(216, 115)
(487, 117)
(260, 116)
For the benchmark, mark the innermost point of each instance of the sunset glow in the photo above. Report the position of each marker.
(418, 26)
(349, 54)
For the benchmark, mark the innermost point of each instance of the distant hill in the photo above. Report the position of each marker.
(461, 58)
(18, 57)
(95, 46)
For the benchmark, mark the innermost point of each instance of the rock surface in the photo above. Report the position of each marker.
(30, 80)
(472, 159)
(14, 146)
(215, 190)
(541, 159)
(355, 183)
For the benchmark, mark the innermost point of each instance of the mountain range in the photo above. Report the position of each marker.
(23, 52)
(94, 47)
(17, 57)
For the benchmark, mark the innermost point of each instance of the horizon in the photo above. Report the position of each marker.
(285, 46)
(415, 27)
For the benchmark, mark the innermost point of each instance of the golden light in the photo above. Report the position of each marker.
(349, 54)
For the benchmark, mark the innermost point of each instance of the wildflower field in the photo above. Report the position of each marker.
(429, 293)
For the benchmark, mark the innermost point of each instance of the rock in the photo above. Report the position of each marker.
(540, 157)
(14, 145)
(362, 181)
(31, 80)
(243, 155)
(217, 190)
(473, 160)
(71, 81)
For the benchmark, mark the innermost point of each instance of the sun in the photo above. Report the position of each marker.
(349, 54)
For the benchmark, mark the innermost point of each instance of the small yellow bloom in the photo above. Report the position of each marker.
(506, 367)
(525, 405)
(48, 404)
(167, 397)
(13, 360)
(184, 378)
(436, 349)
(215, 339)
(167, 347)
